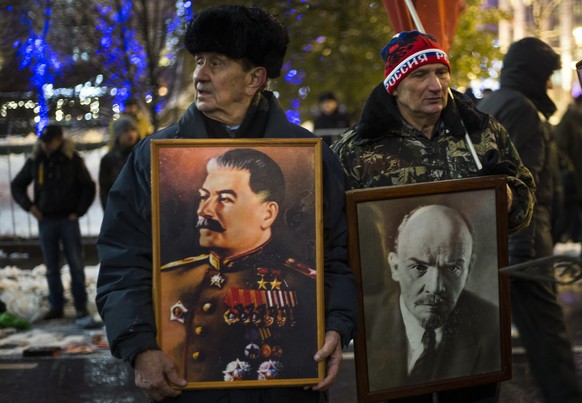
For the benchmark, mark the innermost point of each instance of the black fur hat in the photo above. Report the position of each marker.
(239, 32)
(50, 132)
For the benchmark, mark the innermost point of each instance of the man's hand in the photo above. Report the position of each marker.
(157, 376)
(332, 352)
(35, 211)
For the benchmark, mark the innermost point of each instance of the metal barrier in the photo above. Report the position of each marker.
(16, 223)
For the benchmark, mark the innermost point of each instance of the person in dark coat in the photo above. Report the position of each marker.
(63, 191)
(569, 141)
(236, 49)
(125, 137)
(331, 116)
(523, 106)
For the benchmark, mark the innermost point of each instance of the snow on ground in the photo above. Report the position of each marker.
(25, 292)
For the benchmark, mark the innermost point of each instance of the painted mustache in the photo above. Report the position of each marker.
(209, 224)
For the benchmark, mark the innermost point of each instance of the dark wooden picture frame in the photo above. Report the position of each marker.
(255, 318)
(384, 364)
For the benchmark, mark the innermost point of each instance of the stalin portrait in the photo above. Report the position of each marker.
(244, 308)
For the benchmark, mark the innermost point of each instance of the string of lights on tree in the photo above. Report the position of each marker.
(124, 66)
(37, 56)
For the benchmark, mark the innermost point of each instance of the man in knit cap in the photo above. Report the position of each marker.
(236, 50)
(414, 128)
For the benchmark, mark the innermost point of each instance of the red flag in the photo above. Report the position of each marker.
(438, 17)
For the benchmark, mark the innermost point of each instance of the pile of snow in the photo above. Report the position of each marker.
(25, 292)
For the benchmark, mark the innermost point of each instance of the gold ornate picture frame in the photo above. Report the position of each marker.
(473, 342)
(234, 310)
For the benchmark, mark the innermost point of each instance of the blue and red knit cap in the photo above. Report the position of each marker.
(408, 51)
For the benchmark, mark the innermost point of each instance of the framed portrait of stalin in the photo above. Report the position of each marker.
(238, 260)
(434, 309)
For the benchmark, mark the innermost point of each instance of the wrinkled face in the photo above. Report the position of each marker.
(222, 86)
(423, 93)
(432, 264)
(232, 218)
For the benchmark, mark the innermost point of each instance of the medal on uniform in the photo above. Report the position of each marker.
(252, 351)
(230, 317)
(262, 283)
(178, 312)
(269, 370)
(275, 284)
(236, 370)
(217, 280)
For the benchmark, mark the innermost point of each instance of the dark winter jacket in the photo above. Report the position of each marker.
(110, 167)
(336, 120)
(569, 139)
(124, 289)
(523, 106)
(384, 151)
(62, 183)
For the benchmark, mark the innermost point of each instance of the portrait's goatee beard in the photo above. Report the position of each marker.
(210, 224)
(438, 316)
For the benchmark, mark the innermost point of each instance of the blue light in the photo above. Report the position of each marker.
(293, 116)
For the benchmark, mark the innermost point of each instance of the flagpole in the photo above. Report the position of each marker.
(414, 16)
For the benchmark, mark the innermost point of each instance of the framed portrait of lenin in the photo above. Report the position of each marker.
(434, 308)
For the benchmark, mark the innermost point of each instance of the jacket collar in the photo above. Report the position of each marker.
(381, 117)
(192, 124)
(67, 149)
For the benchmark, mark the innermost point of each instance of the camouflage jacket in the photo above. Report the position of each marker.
(384, 151)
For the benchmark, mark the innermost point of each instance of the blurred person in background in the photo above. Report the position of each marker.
(124, 136)
(331, 115)
(523, 107)
(569, 139)
(63, 191)
(134, 111)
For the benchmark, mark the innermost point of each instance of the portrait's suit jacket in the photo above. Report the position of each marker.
(470, 345)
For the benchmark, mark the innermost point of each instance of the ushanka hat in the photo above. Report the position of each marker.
(239, 32)
(408, 51)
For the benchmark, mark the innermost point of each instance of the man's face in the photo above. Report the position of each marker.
(328, 106)
(223, 88)
(49, 147)
(432, 264)
(129, 138)
(423, 93)
(231, 217)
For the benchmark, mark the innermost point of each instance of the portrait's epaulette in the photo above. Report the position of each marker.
(300, 267)
(177, 264)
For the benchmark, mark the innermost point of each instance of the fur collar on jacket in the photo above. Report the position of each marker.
(67, 149)
(381, 117)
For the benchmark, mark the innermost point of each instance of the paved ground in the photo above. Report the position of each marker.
(85, 371)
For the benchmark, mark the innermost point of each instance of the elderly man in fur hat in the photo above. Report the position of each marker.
(237, 50)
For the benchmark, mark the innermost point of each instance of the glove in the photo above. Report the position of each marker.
(492, 165)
